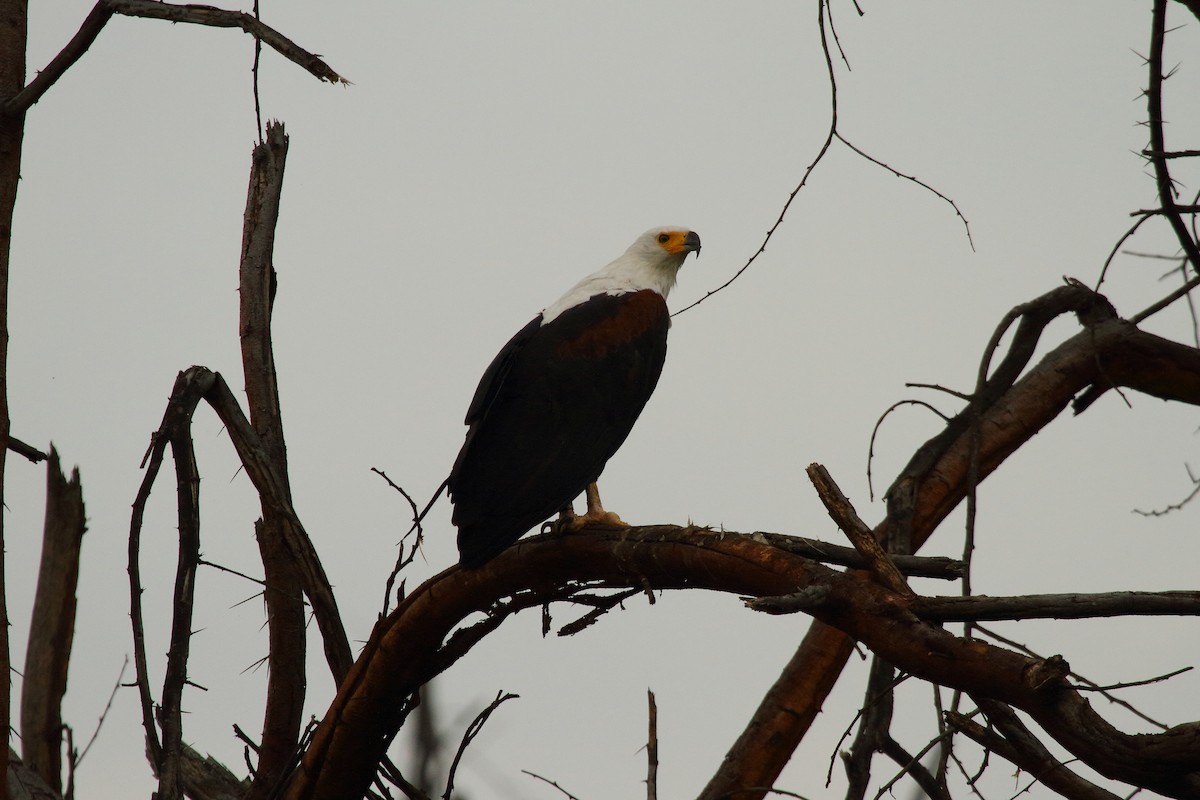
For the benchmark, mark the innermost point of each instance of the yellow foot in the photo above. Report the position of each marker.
(592, 519)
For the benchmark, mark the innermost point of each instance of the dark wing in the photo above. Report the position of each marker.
(553, 407)
(493, 376)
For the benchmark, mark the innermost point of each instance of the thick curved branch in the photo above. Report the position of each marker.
(1108, 352)
(416, 642)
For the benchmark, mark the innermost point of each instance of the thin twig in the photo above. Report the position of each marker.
(822, 11)
(403, 560)
(254, 78)
(879, 423)
(472, 731)
(1154, 308)
(1079, 678)
(568, 795)
(103, 714)
(1178, 505)
(1128, 684)
(914, 179)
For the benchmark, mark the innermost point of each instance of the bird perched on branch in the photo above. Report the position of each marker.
(561, 397)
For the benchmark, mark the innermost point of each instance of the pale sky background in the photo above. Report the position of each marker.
(488, 155)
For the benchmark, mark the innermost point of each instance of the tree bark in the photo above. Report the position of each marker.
(52, 625)
(424, 635)
(14, 21)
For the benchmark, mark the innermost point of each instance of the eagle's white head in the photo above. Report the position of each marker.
(651, 262)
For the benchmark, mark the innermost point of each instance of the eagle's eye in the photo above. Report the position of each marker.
(663, 238)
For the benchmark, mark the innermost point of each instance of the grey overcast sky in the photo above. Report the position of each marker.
(486, 156)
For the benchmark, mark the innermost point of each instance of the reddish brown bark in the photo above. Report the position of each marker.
(421, 638)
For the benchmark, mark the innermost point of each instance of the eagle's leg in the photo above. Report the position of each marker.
(595, 516)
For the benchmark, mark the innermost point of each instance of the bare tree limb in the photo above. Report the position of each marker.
(284, 600)
(1057, 606)
(1157, 150)
(102, 12)
(472, 731)
(651, 747)
(1019, 746)
(1108, 352)
(932, 785)
(415, 642)
(875, 721)
(27, 451)
(567, 794)
(273, 493)
(52, 625)
(938, 567)
(190, 387)
(187, 482)
(863, 539)
(14, 22)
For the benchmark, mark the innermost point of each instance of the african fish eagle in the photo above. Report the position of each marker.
(559, 399)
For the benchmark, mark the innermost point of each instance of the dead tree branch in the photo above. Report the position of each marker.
(651, 747)
(284, 600)
(937, 567)
(418, 640)
(1158, 149)
(1011, 740)
(472, 731)
(1011, 409)
(52, 625)
(1057, 606)
(102, 12)
(863, 539)
(13, 28)
(874, 724)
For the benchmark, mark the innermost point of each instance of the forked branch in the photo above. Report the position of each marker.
(412, 645)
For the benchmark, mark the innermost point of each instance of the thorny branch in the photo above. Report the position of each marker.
(166, 754)
(1158, 149)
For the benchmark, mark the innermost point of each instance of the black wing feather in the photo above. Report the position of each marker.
(554, 405)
